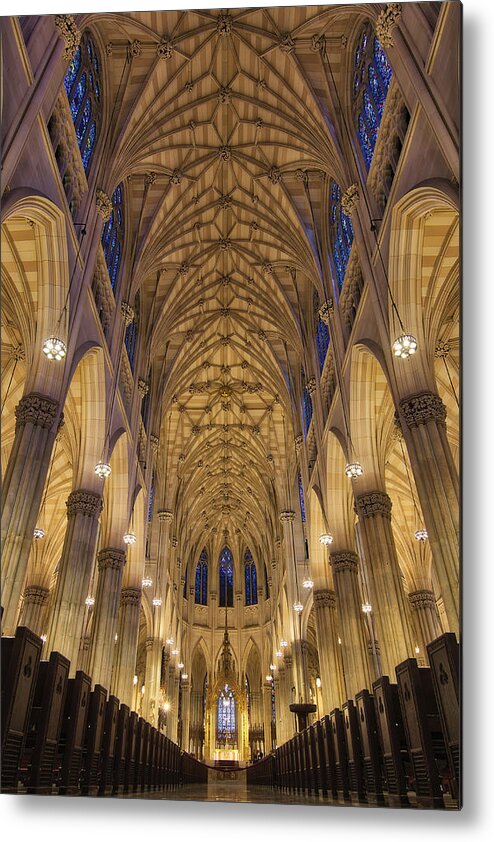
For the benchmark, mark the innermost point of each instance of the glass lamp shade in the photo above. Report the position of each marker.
(269, 678)
(184, 676)
(283, 643)
(279, 653)
(89, 601)
(404, 346)
(308, 583)
(180, 665)
(421, 535)
(103, 470)
(157, 601)
(38, 533)
(298, 607)
(367, 608)
(174, 651)
(272, 667)
(170, 641)
(146, 582)
(54, 348)
(129, 538)
(326, 539)
(354, 470)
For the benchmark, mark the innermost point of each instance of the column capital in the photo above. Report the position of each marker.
(70, 33)
(373, 503)
(131, 596)
(103, 204)
(36, 409)
(149, 643)
(36, 595)
(346, 560)
(154, 442)
(111, 559)
(287, 516)
(311, 385)
(350, 199)
(165, 515)
(324, 599)
(423, 408)
(174, 542)
(387, 19)
(84, 502)
(142, 387)
(422, 599)
(127, 313)
(326, 309)
(299, 440)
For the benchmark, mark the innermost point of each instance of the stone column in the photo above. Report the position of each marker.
(423, 419)
(185, 715)
(267, 717)
(173, 685)
(289, 696)
(299, 676)
(34, 600)
(126, 649)
(279, 687)
(22, 491)
(426, 618)
(387, 596)
(110, 570)
(353, 643)
(332, 685)
(67, 605)
(153, 679)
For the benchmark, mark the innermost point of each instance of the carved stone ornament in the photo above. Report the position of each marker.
(111, 559)
(164, 49)
(142, 387)
(154, 442)
(127, 313)
(311, 385)
(224, 24)
(225, 244)
(274, 175)
(287, 516)
(103, 204)
(299, 440)
(85, 503)
(176, 177)
(442, 349)
(135, 49)
(174, 541)
(387, 19)
(225, 153)
(318, 43)
(224, 94)
(70, 33)
(36, 409)
(286, 43)
(225, 202)
(131, 596)
(422, 600)
(324, 599)
(374, 503)
(165, 515)
(423, 408)
(150, 178)
(36, 595)
(350, 199)
(346, 560)
(326, 309)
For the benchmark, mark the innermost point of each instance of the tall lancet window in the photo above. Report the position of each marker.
(371, 79)
(250, 579)
(322, 332)
(201, 596)
(112, 237)
(226, 578)
(226, 728)
(82, 84)
(340, 235)
(306, 404)
(132, 333)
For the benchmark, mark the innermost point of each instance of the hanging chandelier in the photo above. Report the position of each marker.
(421, 535)
(326, 538)
(298, 607)
(89, 601)
(366, 608)
(354, 470)
(38, 533)
(129, 538)
(404, 346)
(103, 470)
(146, 583)
(157, 601)
(54, 348)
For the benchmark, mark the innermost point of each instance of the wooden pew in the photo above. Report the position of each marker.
(93, 741)
(71, 744)
(130, 755)
(444, 659)
(329, 756)
(340, 752)
(108, 746)
(369, 741)
(121, 746)
(392, 740)
(45, 723)
(354, 752)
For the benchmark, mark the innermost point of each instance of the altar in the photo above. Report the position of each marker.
(226, 754)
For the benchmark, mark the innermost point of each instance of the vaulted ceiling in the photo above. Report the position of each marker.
(223, 126)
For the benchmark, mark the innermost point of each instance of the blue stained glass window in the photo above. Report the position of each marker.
(226, 730)
(372, 78)
(185, 581)
(306, 405)
(266, 582)
(201, 588)
(112, 237)
(151, 498)
(322, 331)
(301, 496)
(382, 63)
(82, 88)
(250, 579)
(226, 578)
(341, 236)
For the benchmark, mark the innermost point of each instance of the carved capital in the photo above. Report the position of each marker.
(164, 49)
(346, 560)
(154, 442)
(318, 43)
(350, 199)
(149, 643)
(372, 504)
(224, 24)
(36, 595)
(85, 503)
(423, 408)
(311, 385)
(175, 544)
(131, 596)
(299, 440)
(142, 387)
(127, 313)
(387, 19)
(70, 33)
(324, 599)
(422, 600)
(36, 409)
(103, 204)
(286, 43)
(326, 309)
(165, 516)
(287, 516)
(111, 559)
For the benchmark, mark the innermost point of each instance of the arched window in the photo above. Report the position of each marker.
(82, 84)
(226, 729)
(131, 334)
(250, 579)
(266, 582)
(340, 235)
(226, 578)
(301, 496)
(185, 581)
(306, 404)
(151, 498)
(112, 237)
(371, 79)
(322, 332)
(202, 579)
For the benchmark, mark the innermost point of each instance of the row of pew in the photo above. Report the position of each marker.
(61, 736)
(397, 746)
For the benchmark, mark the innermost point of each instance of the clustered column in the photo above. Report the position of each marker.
(21, 495)
(110, 570)
(126, 649)
(353, 644)
(332, 686)
(34, 601)
(426, 615)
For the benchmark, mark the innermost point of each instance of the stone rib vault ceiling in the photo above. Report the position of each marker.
(226, 144)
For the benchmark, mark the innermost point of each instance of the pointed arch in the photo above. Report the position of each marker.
(226, 578)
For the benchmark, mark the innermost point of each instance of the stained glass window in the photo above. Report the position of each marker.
(82, 86)
(226, 729)
(201, 590)
(322, 333)
(226, 578)
(340, 235)
(185, 581)
(371, 79)
(306, 405)
(301, 496)
(266, 582)
(250, 579)
(131, 334)
(112, 237)
(151, 498)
